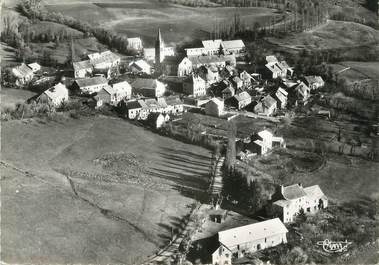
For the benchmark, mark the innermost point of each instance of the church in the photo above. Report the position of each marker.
(159, 52)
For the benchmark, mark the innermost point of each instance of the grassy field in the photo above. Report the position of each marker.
(142, 18)
(359, 70)
(93, 190)
(333, 34)
(10, 97)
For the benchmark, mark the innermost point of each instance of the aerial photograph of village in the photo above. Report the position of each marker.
(190, 132)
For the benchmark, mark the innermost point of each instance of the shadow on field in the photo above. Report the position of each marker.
(174, 227)
(188, 171)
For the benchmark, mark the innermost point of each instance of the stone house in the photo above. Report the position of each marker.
(288, 201)
(237, 242)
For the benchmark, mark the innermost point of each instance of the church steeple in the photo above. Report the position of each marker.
(159, 45)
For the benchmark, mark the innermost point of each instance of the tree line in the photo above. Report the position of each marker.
(32, 10)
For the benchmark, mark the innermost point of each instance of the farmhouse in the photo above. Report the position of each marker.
(303, 92)
(135, 44)
(276, 68)
(233, 46)
(214, 107)
(288, 201)
(239, 101)
(104, 60)
(23, 74)
(281, 97)
(55, 95)
(113, 94)
(216, 47)
(174, 104)
(90, 85)
(267, 106)
(264, 141)
(82, 69)
(35, 67)
(140, 66)
(148, 87)
(237, 242)
(195, 86)
(314, 81)
(104, 96)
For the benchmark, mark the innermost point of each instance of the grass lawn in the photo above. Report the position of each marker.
(367, 69)
(128, 187)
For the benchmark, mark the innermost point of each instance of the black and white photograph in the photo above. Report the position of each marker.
(189, 132)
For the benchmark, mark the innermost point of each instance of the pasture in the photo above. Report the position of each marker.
(10, 97)
(93, 190)
(143, 18)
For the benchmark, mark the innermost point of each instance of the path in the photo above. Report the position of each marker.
(216, 186)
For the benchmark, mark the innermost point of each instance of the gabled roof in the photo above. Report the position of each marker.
(311, 79)
(229, 89)
(216, 101)
(233, 44)
(273, 67)
(135, 104)
(271, 59)
(34, 65)
(109, 90)
(252, 232)
(314, 192)
(121, 86)
(57, 91)
(103, 57)
(151, 103)
(162, 102)
(22, 70)
(268, 101)
(93, 81)
(282, 203)
(281, 94)
(289, 83)
(265, 134)
(236, 79)
(245, 75)
(242, 96)
(284, 65)
(212, 44)
(292, 192)
(82, 65)
(303, 89)
(141, 64)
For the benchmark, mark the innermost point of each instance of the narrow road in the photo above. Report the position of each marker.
(216, 187)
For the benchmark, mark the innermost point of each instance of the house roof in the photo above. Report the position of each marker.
(289, 83)
(293, 192)
(162, 102)
(212, 44)
(103, 57)
(121, 86)
(311, 79)
(141, 64)
(271, 59)
(302, 88)
(216, 101)
(236, 79)
(229, 89)
(273, 67)
(144, 83)
(245, 75)
(314, 192)
(173, 100)
(252, 232)
(284, 64)
(282, 203)
(208, 59)
(34, 65)
(93, 81)
(82, 65)
(57, 91)
(134, 39)
(265, 134)
(151, 103)
(135, 104)
(268, 101)
(22, 70)
(282, 91)
(233, 44)
(109, 90)
(242, 96)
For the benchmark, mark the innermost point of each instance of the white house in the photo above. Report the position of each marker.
(195, 86)
(289, 200)
(303, 91)
(104, 60)
(82, 69)
(140, 66)
(157, 119)
(250, 238)
(267, 106)
(185, 67)
(264, 141)
(90, 85)
(23, 74)
(35, 67)
(282, 97)
(135, 43)
(122, 90)
(55, 95)
(314, 81)
(214, 107)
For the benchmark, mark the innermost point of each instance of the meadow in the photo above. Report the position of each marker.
(93, 190)
(143, 18)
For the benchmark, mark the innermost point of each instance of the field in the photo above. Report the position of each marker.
(10, 97)
(333, 34)
(358, 70)
(93, 190)
(143, 18)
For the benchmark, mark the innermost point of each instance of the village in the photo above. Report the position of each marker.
(158, 87)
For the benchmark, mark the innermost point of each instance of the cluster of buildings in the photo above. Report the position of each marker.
(25, 73)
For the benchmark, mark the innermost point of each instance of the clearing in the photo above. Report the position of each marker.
(93, 190)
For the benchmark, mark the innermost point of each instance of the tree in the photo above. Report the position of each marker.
(231, 149)
(296, 256)
(301, 217)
